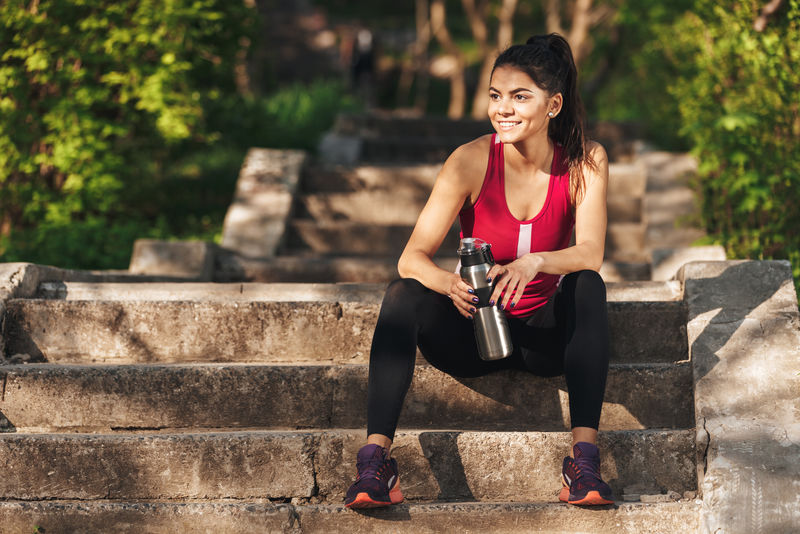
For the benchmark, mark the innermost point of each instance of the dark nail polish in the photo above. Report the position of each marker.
(470, 291)
(476, 299)
(491, 302)
(489, 279)
(513, 304)
(472, 310)
(500, 305)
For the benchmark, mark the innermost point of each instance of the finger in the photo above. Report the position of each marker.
(498, 291)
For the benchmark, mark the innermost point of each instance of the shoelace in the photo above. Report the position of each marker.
(370, 468)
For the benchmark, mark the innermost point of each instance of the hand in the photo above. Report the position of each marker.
(461, 294)
(512, 278)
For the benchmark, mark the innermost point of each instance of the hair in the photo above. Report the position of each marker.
(548, 60)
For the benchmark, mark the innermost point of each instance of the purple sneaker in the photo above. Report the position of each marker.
(377, 483)
(581, 480)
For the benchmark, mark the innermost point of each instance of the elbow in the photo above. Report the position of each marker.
(402, 266)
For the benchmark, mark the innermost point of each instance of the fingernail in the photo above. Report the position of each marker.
(470, 291)
(472, 310)
(475, 299)
(489, 279)
(491, 302)
(513, 304)
(500, 305)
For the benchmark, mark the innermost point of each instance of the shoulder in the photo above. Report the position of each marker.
(596, 164)
(467, 164)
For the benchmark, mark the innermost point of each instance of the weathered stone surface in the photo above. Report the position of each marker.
(359, 239)
(510, 466)
(667, 262)
(626, 179)
(624, 208)
(190, 259)
(206, 331)
(504, 518)
(625, 241)
(152, 466)
(744, 336)
(486, 466)
(369, 207)
(647, 331)
(259, 517)
(117, 331)
(339, 149)
(256, 220)
(45, 397)
(412, 179)
(152, 517)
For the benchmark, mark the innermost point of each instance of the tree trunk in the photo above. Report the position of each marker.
(458, 90)
(505, 35)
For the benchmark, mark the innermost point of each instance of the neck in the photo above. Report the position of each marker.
(533, 153)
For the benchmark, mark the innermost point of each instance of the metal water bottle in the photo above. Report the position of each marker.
(491, 327)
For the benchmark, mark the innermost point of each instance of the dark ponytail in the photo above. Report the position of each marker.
(548, 60)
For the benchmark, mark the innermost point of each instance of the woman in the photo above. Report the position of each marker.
(522, 189)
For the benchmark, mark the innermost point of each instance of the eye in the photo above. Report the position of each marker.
(494, 96)
(520, 98)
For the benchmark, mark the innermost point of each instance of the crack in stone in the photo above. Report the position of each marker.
(5, 379)
(708, 446)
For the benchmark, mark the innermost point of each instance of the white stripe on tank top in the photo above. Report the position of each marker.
(524, 241)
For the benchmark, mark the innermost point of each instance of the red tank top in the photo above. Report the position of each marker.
(491, 220)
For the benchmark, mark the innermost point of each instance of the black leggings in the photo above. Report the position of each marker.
(568, 335)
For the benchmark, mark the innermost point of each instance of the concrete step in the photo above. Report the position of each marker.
(644, 291)
(624, 241)
(308, 268)
(257, 517)
(292, 327)
(482, 466)
(625, 179)
(59, 398)
(403, 207)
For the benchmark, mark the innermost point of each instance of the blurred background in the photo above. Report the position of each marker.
(130, 119)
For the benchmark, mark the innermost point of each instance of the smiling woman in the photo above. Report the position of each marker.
(523, 190)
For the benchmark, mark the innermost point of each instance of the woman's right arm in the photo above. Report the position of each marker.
(460, 177)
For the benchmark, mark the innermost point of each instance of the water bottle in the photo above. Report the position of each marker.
(491, 327)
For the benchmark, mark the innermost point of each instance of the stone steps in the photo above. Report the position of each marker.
(435, 465)
(69, 398)
(291, 324)
(624, 240)
(625, 179)
(258, 517)
(400, 207)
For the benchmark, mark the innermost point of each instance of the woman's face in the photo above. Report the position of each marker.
(517, 106)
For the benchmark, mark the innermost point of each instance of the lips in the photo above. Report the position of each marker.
(507, 125)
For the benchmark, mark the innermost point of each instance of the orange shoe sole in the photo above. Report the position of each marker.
(363, 500)
(592, 498)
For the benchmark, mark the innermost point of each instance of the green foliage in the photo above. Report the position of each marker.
(737, 94)
(121, 120)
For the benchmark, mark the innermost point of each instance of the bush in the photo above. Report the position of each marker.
(737, 97)
(121, 120)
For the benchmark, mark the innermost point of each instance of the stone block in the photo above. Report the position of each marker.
(667, 262)
(340, 149)
(190, 259)
(744, 339)
(256, 220)
(46, 397)
(154, 517)
(241, 465)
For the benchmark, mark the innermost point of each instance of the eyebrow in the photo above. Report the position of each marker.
(515, 91)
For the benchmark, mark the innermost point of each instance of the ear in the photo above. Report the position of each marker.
(554, 106)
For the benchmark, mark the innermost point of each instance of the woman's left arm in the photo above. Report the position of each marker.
(590, 234)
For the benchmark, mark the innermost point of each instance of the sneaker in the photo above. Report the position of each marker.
(581, 480)
(377, 483)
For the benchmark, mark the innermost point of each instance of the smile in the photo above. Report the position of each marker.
(507, 125)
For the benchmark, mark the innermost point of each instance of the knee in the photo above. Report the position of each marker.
(587, 285)
(402, 291)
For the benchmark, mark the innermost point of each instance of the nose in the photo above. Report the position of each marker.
(504, 106)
